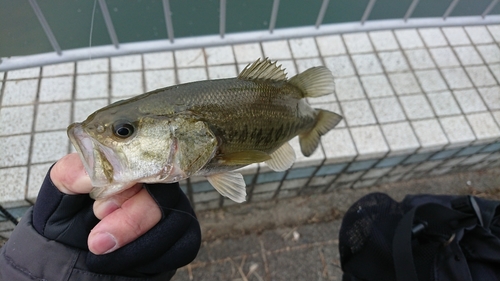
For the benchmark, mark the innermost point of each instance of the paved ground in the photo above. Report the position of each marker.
(297, 239)
(307, 252)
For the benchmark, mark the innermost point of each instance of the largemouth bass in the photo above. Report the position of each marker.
(208, 128)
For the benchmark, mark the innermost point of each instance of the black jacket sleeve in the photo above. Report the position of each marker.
(50, 242)
(28, 255)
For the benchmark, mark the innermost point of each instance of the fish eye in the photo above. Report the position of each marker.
(123, 129)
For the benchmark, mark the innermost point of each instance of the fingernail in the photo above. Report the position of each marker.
(104, 243)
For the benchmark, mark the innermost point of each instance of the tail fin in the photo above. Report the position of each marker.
(314, 82)
(325, 121)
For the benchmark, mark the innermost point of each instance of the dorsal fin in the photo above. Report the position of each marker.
(263, 69)
(314, 82)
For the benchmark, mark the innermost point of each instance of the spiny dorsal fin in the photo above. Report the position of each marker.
(229, 184)
(263, 69)
(282, 159)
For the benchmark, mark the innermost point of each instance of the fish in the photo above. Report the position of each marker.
(206, 128)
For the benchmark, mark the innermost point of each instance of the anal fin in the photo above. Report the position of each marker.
(229, 184)
(282, 159)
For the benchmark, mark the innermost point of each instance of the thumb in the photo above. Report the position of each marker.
(69, 175)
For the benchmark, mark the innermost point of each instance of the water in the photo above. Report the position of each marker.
(140, 20)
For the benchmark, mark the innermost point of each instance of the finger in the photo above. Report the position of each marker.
(104, 207)
(180, 239)
(69, 175)
(135, 217)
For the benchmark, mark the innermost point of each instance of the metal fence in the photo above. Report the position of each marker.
(471, 13)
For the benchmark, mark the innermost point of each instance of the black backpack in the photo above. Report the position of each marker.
(423, 238)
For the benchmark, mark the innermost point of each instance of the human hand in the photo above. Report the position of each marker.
(144, 227)
(124, 217)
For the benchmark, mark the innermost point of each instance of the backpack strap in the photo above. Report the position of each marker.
(485, 209)
(443, 222)
(402, 250)
(468, 204)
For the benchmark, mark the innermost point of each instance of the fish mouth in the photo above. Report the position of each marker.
(83, 145)
(96, 158)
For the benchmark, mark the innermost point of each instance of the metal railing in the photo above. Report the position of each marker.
(223, 38)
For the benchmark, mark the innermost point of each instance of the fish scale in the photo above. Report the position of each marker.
(207, 128)
(231, 105)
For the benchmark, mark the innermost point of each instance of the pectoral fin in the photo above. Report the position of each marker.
(245, 157)
(195, 144)
(282, 158)
(229, 184)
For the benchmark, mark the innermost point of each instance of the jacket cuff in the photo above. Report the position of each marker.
(28, 255)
